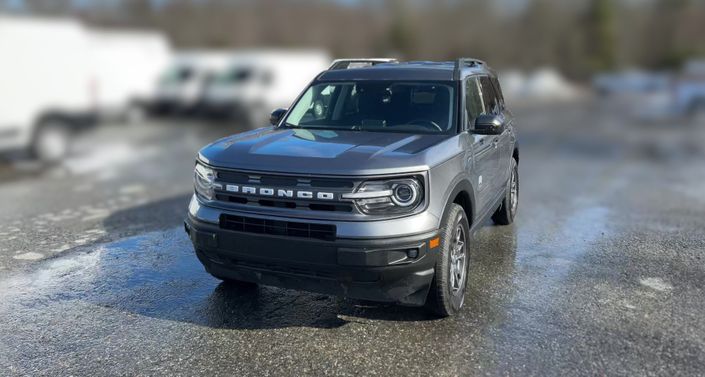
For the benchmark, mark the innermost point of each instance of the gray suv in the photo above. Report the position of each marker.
(370, 186)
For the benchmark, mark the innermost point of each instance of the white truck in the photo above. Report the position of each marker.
(257, 81)
(45, 88)
(126, 66)
(180, 88)
(57, 76)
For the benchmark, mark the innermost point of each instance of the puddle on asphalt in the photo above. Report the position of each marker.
(558, 249)
(157, 275)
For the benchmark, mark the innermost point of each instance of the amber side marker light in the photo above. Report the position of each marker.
(434, 242)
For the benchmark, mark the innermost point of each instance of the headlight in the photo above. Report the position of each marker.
(204, 181)
(394, 196)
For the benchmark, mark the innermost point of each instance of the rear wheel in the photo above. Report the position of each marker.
(447, 293)
(507, 211)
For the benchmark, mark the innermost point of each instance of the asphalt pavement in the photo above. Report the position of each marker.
(603, 272)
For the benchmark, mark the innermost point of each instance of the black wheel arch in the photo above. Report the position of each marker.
(463, 194)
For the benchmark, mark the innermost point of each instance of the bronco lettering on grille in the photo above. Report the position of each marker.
(280, 193)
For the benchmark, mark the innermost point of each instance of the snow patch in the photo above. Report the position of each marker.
(29, 256)
(656, 284)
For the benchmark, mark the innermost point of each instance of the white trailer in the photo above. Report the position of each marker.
(57, 76)
(126, 66)
(44, 84)
(258, 81)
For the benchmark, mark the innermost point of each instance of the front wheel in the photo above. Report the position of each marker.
(508, 210)
(447, 293)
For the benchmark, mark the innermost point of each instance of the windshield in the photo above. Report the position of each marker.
(234, 75)
(382, 106)
(177, 74)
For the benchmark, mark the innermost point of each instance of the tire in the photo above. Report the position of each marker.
(447, 294)
(507, 211)
(51, 141)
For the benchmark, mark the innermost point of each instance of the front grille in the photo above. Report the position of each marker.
(291, 204)
(277, 228)
(292, 184)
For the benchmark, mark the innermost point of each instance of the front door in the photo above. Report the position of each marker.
(484, 164)
(494, 105)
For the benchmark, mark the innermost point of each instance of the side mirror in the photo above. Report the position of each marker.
(277, 116)
(489, 125)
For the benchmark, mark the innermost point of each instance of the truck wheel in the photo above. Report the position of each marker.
(447, 293)
(51, 141)
(507, 211)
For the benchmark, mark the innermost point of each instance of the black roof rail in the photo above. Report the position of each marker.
(465, 62)
(347, 63)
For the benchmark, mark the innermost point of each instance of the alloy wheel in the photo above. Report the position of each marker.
(458, 270)
(514, 193)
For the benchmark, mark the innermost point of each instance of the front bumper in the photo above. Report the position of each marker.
(398, 270)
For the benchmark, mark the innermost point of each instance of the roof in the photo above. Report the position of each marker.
(421, 71)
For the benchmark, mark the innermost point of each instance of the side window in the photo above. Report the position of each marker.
(489, 96)
(473, 101)
(313, 105)
(498, 89)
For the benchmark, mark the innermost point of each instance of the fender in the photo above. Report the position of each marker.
(461, 184)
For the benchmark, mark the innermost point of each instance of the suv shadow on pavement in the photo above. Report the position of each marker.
(236, 306)
(157, 275)
(155, 215)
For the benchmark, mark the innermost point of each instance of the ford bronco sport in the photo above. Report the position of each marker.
(370, 186)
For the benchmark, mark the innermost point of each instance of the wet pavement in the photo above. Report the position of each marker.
(602, 274)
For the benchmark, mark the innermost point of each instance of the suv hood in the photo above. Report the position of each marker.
(330, 152)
